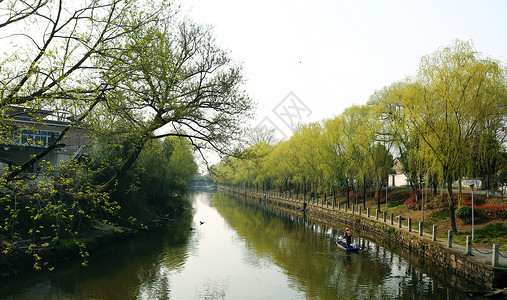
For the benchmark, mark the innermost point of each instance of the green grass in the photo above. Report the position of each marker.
(493, 230)
(396, 203)
(398, 196)
(442, 214)
(490, 234)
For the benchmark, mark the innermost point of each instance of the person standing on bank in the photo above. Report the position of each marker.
(348, 237)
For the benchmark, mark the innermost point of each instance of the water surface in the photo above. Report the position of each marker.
(241, 251)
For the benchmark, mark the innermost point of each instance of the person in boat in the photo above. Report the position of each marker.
(348, 237)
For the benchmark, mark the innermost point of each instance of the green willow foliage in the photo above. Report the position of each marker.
(445, 123)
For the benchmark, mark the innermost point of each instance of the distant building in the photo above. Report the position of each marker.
(466, 182)
(33, 130)
(398, 178)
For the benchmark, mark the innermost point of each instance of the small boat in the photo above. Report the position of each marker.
(342, 245)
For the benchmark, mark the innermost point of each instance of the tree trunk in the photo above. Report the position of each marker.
(486, 184)
(364, 192)
(451, 204)
(304, 190)
(120, 173)
(460, 193)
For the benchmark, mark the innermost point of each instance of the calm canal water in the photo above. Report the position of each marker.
(240, 252)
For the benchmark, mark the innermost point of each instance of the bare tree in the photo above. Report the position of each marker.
(262, 134)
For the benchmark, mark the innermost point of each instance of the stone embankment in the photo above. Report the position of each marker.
(459, 260)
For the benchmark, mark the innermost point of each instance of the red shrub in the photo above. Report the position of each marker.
(441, 202)
(492, 211)
(410, 203)
(467, 199)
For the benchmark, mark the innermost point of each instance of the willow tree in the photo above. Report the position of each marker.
(304, 146)
(361, 138)
(347, 125)
(254, 167)
(280, 165)
(364, 164)
(486, 152)
(398, 133)
(456, 90)
(261, 164)
(333, 152)
(288, 163)
(374, 142)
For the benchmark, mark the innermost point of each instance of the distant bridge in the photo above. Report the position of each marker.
(201, 181)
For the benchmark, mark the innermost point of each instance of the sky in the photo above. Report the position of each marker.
(305, 61)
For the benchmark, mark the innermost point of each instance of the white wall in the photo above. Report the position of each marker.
(398, 180)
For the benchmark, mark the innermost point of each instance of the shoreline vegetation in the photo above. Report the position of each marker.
(94, 239)
(153, 190)
(490, 213)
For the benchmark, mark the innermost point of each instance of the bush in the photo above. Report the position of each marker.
(410, 203)
(467, 199)
(497, 212)
(465, 214)
(439, 202)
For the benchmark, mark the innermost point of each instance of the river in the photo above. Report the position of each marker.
(240, 251)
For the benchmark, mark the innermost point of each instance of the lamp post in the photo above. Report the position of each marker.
(473, 231)
(387, 185)
(422, 205)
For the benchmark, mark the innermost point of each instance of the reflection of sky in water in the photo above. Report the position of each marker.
(223, 266)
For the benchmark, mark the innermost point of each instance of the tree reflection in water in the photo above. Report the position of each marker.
(243, 250)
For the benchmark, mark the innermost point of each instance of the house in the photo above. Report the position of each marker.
(398, 178)
(28, 131)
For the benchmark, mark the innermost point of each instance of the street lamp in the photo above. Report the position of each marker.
(387, 186)
(422, 205)
(473, 231)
